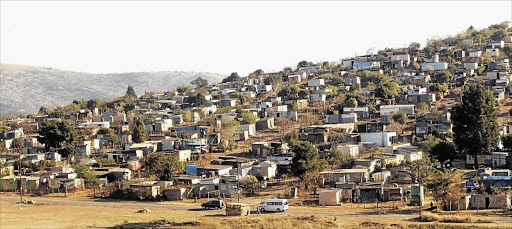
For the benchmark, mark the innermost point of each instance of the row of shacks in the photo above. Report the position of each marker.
(355, 185)
(374, 193)
(51, 180)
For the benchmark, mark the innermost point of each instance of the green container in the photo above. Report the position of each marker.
(417, 193)
(8, 184)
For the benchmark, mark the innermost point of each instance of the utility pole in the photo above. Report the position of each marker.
(237, 181)
(419, 189)
(19, 173)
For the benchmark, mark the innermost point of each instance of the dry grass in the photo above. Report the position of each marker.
(429, 217)
(56, 215)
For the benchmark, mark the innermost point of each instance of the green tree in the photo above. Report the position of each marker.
(445, 186)
(139, 134)
(302, 64)
(474, 120)
(86, 173)
(186, 115)
(93, 103)
(222, 110)
(499, 35)
(305, 159)
(507, 142)
(427, 168)
(109, 134)
(130, 92)
(388, 90)
(352, 102)
(289, 91)
(43, 111)
(414, 48)
(256, 73)
(199, 82)
(273, 80)
(197, 100)
(105, 162)
(336, 158)
(443, 151)
(422, 106)
(233, 77)
(444, 76)
(249, 183)
(429, 142)
(355, 88)
(400, 117)
(231, 124)
(57, 134)
(163, 166)
(248, 118)
(442, 88)
(287, 70)
(326, 65)
(183, 89)
(487, 58)
(303, 94)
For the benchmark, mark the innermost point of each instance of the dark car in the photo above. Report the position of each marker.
(217, 204)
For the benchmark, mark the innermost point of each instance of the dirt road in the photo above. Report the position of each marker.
(197, 211)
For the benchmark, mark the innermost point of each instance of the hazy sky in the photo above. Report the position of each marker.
(223, 37)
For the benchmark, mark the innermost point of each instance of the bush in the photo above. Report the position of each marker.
(429, 217)
(144, 210)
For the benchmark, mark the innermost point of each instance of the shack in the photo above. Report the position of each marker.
(175, 194)
(330, 197)
(238, 209)
(483, 201)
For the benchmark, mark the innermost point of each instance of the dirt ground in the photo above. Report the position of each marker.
(80, 211)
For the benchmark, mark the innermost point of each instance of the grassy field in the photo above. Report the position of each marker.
(118, 214)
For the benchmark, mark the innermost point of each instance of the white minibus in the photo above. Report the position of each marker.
(273, 205)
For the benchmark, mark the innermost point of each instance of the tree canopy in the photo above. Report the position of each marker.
(183, 89)
(306, 159)
(443, 151)
(139, 131)
(388, 90)
(248, 118)
(444, 76)
(199, 82)
(289, 91)
(86, 173)
(445, 186)
(474, 120)
(163, 166)
(109, 134)
(233, 77)
(57, 134)
(130, 92)
(400, 117)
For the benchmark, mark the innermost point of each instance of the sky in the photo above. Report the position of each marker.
(223, 37)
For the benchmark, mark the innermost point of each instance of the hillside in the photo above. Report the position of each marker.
(25, 88)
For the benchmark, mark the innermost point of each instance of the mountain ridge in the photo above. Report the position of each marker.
(26, 88)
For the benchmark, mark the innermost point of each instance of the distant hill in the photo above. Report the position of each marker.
(24, 89)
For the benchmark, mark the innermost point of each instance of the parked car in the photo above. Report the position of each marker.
(217, 204)
(275, 205)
